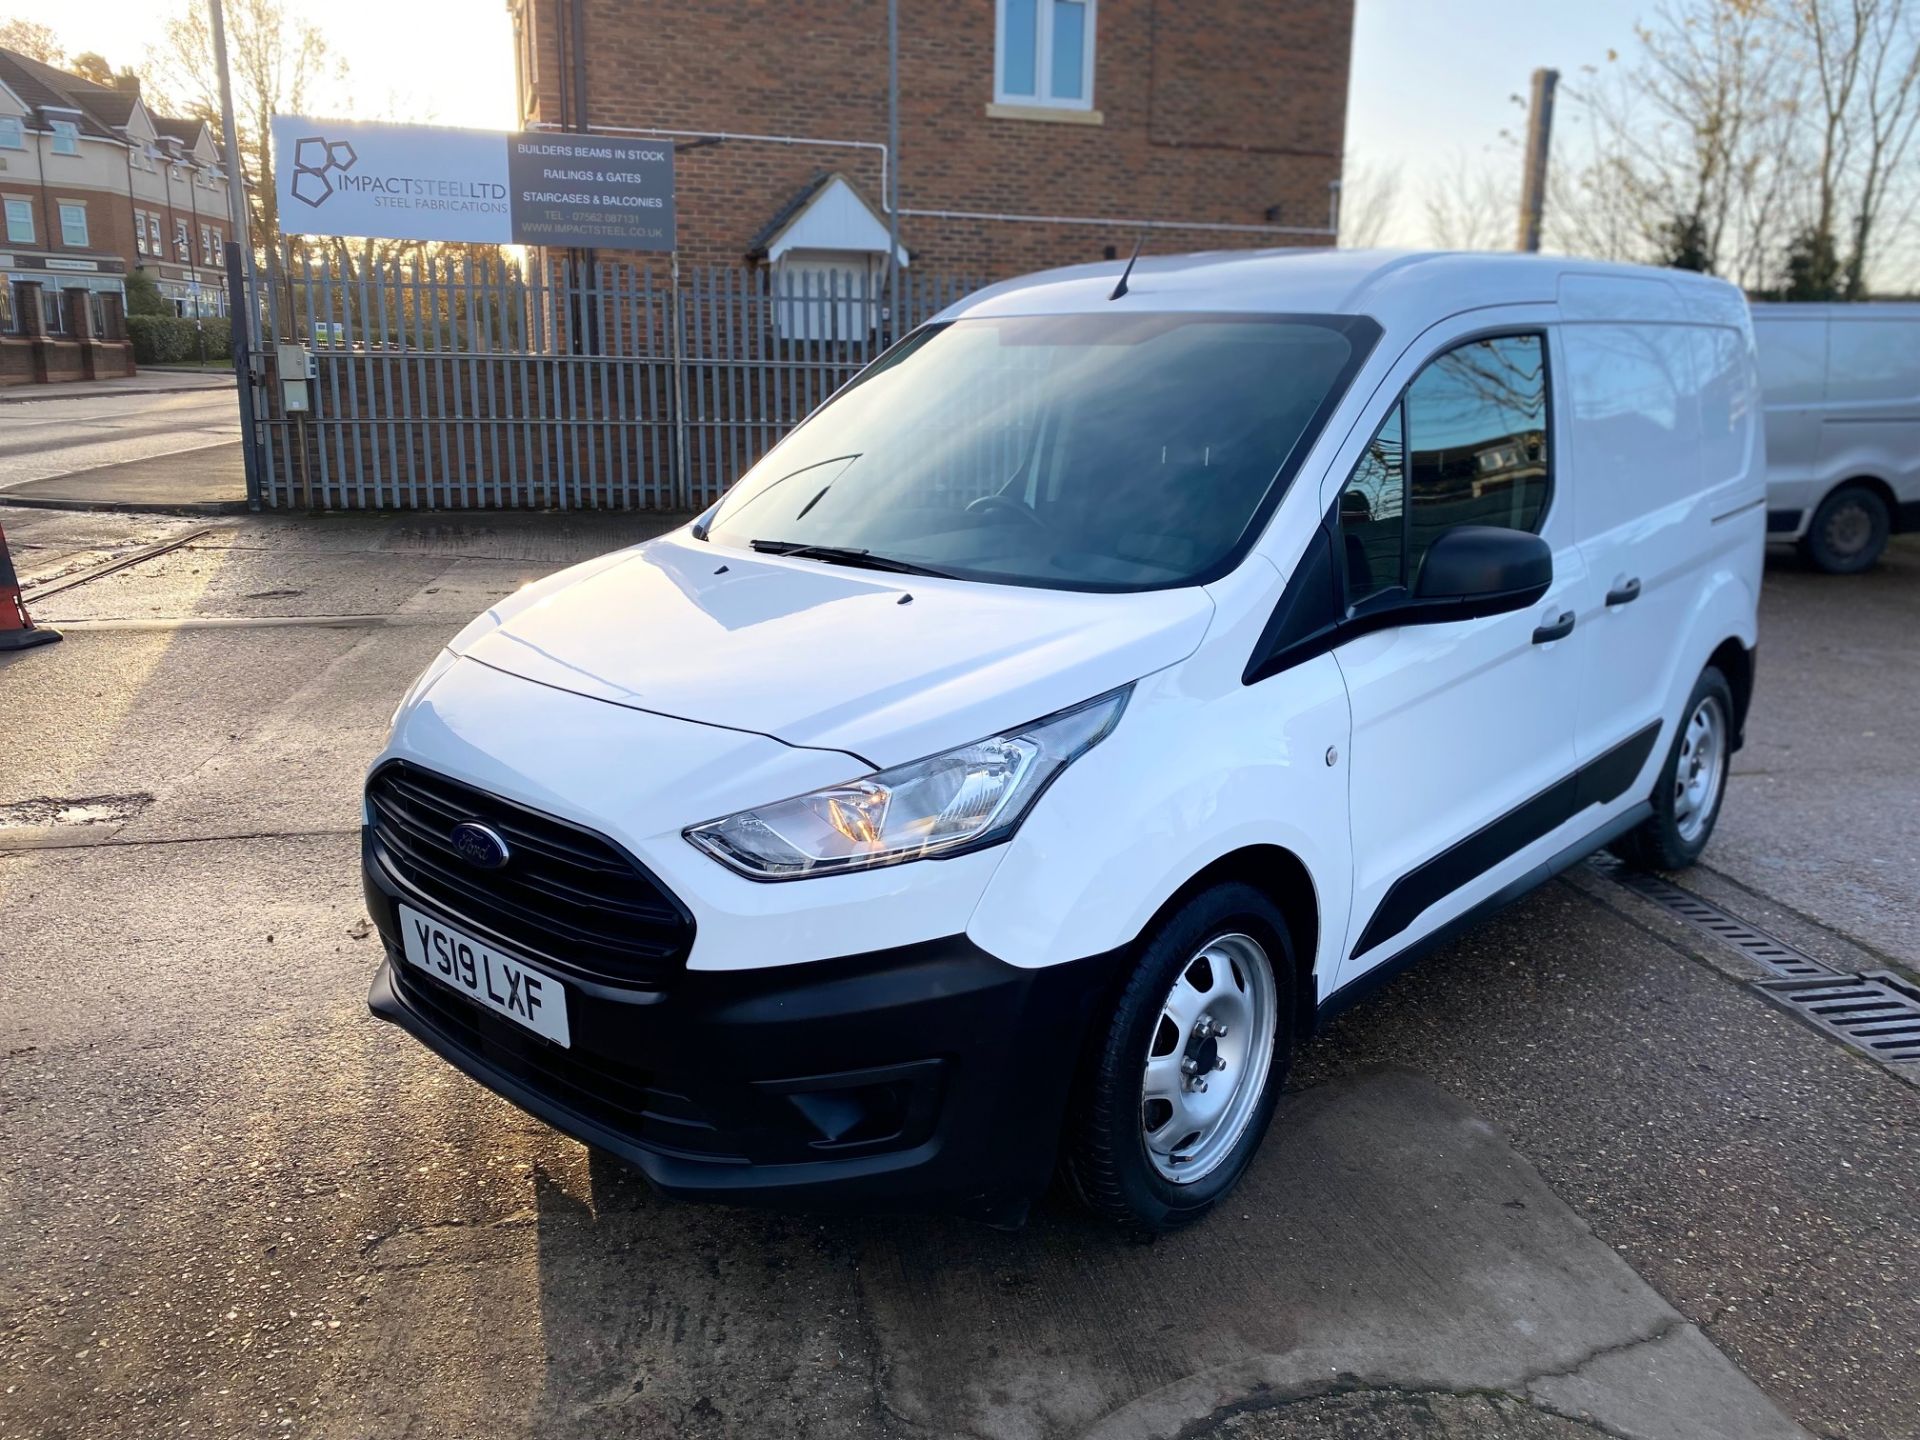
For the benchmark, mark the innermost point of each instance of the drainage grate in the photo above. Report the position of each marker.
(1877, 1014)
(1776, 955)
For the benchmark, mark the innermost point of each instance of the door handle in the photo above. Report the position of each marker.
(1625, 593)
(1558, 630)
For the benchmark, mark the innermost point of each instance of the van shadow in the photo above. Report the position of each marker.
(1388, 1233)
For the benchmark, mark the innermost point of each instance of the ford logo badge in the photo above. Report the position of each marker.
(479, 845)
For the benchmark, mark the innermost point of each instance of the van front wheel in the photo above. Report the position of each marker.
(1181, 1086)
(1848, 531)
(1692, 784)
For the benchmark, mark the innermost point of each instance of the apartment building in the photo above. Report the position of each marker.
(95, 185)
(1032, 132)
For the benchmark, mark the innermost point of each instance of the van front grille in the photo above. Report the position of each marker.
(567, 896)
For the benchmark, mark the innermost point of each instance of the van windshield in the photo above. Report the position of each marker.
(1087, 452)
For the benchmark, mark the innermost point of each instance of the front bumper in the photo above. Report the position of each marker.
(928, 1076)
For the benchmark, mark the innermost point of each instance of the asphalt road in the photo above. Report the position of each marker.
(1569, 1178)
(52, 434)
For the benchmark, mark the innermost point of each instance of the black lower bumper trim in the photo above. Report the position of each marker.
(932, 1076)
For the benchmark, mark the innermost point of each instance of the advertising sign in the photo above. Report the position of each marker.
(424, 182)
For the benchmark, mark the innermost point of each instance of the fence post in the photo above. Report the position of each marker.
(677, 340)
(240, 327)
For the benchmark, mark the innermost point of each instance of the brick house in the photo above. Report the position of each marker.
(1032, 132)
(94, 185)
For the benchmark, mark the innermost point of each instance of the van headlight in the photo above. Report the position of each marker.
(961, 799)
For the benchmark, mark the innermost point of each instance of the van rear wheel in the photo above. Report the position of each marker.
(1180, 1087)
(1692, 784)
(1848, 531)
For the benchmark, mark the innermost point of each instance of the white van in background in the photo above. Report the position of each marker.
(1119, 676)
(1841, 387)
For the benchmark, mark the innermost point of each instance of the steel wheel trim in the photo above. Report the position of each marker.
(1208, 1058)
(1702, 769)
(1849, 529)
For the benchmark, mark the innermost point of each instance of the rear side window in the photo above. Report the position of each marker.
(1466, 444)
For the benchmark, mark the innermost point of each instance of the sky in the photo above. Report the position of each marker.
(1431, 79)
(447, 62)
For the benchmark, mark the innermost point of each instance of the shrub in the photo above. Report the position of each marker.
(173, 340)
(144, 297)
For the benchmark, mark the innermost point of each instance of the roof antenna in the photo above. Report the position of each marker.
(1120, 288)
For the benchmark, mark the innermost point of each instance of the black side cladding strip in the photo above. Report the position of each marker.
(1602, 779)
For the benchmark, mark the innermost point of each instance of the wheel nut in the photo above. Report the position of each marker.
(1219, 1030)
(1190, 1066)
(1200, 1085)
(1220, 1062)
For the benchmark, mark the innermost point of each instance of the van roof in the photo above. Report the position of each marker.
(1399, 288)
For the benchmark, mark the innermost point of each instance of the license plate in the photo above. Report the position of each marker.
(503, 983)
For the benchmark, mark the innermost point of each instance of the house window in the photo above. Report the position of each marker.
(153, 234)
(182, 242)
(1043, 53)
(73, 224)
(13, 135)
(66, 138)
(217, 252)
(140, 231)
(19, 221)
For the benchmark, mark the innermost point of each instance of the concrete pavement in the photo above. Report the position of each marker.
(1568, 1178)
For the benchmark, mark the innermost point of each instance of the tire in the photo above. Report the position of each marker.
(1687, 807)
(1848, 531)
(1111, 1162)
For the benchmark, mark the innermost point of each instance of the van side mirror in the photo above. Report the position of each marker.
(1475, 570)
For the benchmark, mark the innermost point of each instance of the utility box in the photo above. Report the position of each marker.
(298, 370)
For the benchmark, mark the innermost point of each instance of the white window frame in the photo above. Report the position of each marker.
(155, 246)
(182, 242)
(1043, 59)
(66, 137)
(13, 133)
(68, 208)
(23, 208)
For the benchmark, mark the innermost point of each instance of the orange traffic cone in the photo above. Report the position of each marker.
(17, 631)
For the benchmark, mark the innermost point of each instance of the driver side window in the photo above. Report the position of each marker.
(1465, 444)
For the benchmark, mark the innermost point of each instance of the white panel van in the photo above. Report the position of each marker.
(1841, 386)
(1118, 677)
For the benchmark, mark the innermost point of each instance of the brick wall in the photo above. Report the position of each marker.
(1223, 111)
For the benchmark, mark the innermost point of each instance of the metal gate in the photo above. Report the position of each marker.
(464, 380)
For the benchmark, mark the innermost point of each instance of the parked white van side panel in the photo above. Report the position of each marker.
(1841, 387)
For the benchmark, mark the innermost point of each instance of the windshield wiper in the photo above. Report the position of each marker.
(846, 555)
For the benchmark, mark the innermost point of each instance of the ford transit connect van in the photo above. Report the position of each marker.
(1841, 389)
(1111, 681)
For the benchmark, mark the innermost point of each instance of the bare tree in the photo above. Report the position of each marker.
(1471, 206)
(277, 61)
(1864, 57)
(1369, 204)
(33, 40)
(1680, 155)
